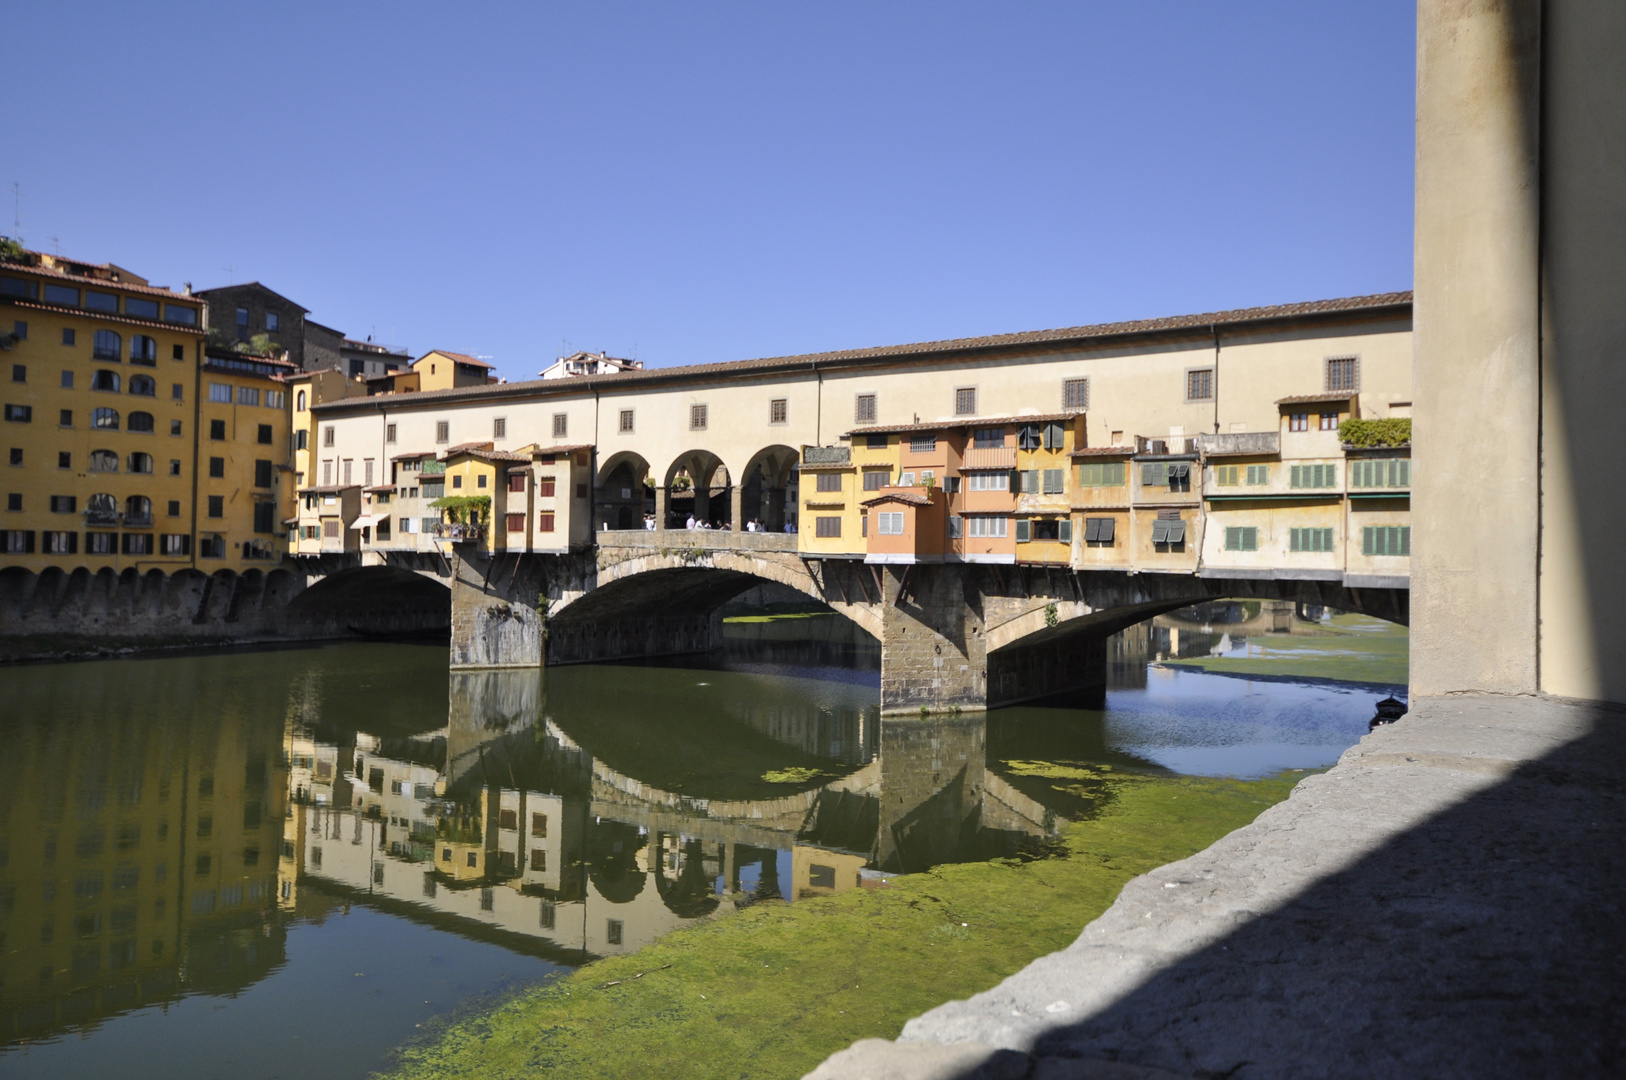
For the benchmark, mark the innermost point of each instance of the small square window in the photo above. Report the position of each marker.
(1343, 373)
(178, 352)
(177, 392)
(67, 380)
(217, 506)
(273, 322)
(778, 410)
(499, 428)
(175, 506)
(1075, 394)
(19, 373)
(1329, 421)
(561, 425)
(67, 335)
(174, 427)
(625, 426)
(1200, 384)
(1298, 422)
(965, 401)
(697, 418)
(64, 460)
(864, 409)
(217, 430)
(443, 432)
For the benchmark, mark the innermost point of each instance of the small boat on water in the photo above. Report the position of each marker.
(1388, 711)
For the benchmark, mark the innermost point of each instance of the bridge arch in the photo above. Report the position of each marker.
(701, 467)
(762, 483)
(377, 600)
(620, 487)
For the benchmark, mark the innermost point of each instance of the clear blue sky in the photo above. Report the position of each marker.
(702, 182)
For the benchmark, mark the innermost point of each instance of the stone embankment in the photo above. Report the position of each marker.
(1446, 902)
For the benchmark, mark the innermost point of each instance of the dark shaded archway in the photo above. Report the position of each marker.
(377, 601)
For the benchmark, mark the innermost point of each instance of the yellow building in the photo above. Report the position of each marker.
(245, 468)
(100, 405)
(438, 369)
(318, 520)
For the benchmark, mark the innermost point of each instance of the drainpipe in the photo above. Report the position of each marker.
(197, 419)
(1214, 329)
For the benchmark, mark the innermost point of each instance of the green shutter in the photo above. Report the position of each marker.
(1064, 531)
(1250, 539)
(1024, 531)
(1115, 474)
(1405, 540)
(1297, 475)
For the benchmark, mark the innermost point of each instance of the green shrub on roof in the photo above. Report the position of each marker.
(1391, 431)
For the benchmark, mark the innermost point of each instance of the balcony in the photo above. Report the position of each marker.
(1241, 442)
(458, 534)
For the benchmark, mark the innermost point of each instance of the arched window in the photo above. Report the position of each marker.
(105, 380)
(104, 461)
(139, 421)
(137, 509)
(106, 346)
(143, 350)
(105, 418)
(299, 401)
(101, 509)
(140, 463)
(143, 385)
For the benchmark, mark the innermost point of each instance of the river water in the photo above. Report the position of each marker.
(286, 862)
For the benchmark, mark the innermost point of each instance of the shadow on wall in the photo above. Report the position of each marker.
(1490, 941)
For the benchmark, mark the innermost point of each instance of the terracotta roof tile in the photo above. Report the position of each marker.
(98, 283)
(461, 358)
(106, 316)
(1104, 451)
(926, 350)
(1312, 399)
(957, 422)
(898, 496)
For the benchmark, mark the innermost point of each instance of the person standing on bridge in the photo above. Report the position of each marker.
(690, 525)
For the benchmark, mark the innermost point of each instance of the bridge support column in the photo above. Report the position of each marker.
(933, 654)
(736, 508)
(773, 508)
(660, 508)
(494, 619)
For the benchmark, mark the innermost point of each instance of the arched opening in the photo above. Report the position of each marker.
(764, 484)
(625, 492)
(376, 602)
(697, 487)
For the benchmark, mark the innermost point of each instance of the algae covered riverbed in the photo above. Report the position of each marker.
(776, 988)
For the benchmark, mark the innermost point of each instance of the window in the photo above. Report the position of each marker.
(988, 438)
(104, 461)
(220, 393)
(1169, 532)
(965, 401)
(1101, 474)
(1386, 540)
(389, 435)
(248, 395)
(264, 435)
(175, 504)
(1200, 384)
(137, 543)
(143, 350)
(828, 481)
(516, 523)
(516, 483)
(539, 859)
(1174, 475)
(174, 427)
(778, 410)
(457, 481)
(22, 414)
(922, 444)
(1245, 538)
(1313, 476)
(276, 399)
(67, 380)
(273, 321)
(612, 932)
(1329, 421)
(443, 432)
(242, 316)
(697, 418)
(956, 527)
(61, 543)
(986, 525)
(1390, 473)
(625, 424)
(217, 430)
(1310, 539)
(1028, 437)
(19, 373)
(348, 463)
(874, 479)
(106, 419)
(827, 527)
(217, 506)
(1100, 531)
(64, 459)
(20, 328)
(10, 286)
(890, 523)
(906, 480)
(68, 336)
(1258, 474)
(143, 386)
(1054, 480)
(1075, 394)
(100, 543)
(140, 421)
(1227, 475)
(105, 380)
(876, 442)
(864, 408)
(1030, 481)
(14, 501)
(140, 463)
(999, 480)
(544, 487)
(174, 544)
(106, 346)
(1055, 435)
(177, 392)
(499, 427)
(479, 481)
(262, 473)
(1343, 373)
(1298, 422)
(299, 402)
(18, 541)
(544, 521)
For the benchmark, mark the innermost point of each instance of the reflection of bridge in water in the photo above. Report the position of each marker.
(569, 836)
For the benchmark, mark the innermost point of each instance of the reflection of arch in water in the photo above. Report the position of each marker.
(612, 860)
(685, 885)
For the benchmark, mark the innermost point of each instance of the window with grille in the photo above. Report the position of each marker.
(625, 424)
(1309, 539)
(1386, 540)
(965, 401)
(443, 431)
(1100, 531)
(697, 418)
(778, 410)
(1242, 538)
(1101, 474)
(544, 521)
(1391, 473)
(874, 479)
(330, 529)
(922, 444)
(1313, 476)
(1200, 384)
(1075, 394)
(876, 442)
(827, 527)
(499, 427)
(864, 409)
(561, 425)
(828, 481)
(889, 523)
(1343, 373)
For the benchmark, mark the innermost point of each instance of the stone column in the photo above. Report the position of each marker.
(933, 654)
(702, 500)
(773, 508)
(736, 507)
(494, 619)
(660, 506)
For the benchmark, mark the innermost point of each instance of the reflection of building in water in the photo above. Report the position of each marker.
(137, 857)
(524, 832)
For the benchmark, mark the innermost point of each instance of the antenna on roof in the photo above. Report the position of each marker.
(231, 274)
(56, 245)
